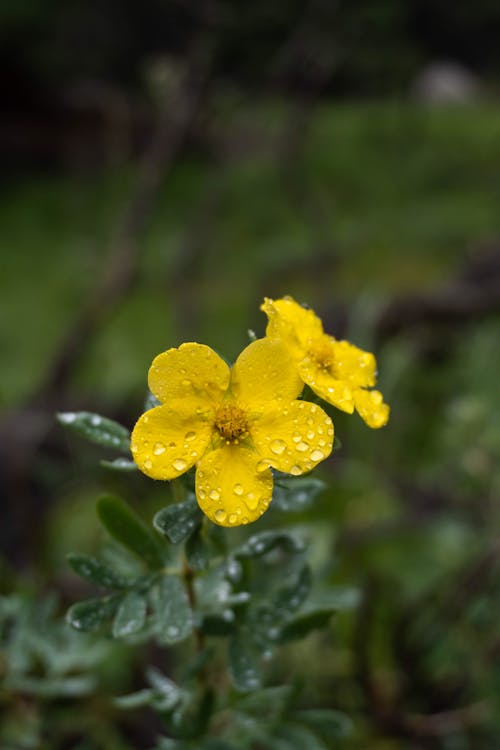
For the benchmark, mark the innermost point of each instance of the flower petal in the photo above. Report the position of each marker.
(168, 440)
(292, 323)
(191, 371)
(333, 391)
(293, 439)
(264, 372)
(229, 489)
(371, 408)
(353, 365)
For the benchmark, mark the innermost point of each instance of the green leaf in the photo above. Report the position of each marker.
(134, 700)
(291, 596)
(197, 551)
(244, 662)
(293, 495)
(300, 737)
(97, 429)
(173, 610)
(131, 615)
(168, 695)
(120, 464)
(129, 530)
(327, 722)
(303, 623)
(259, 544)
(91, 614)
(177, 522)
(96, 572)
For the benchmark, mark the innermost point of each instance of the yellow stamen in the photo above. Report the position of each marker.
(231, 423)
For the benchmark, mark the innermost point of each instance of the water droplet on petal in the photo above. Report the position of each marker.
(220, 515)
(158, 449)
(179, 464)
(302, 446)
(134, 447)
(317, 455)
(233, 518)
(251, 501)
(263, 465)
(202, 494)
(310, 435)
(215, 495)
(295, 470)
(190, 435)
(238, 489)
(278, 447)
(148, 464)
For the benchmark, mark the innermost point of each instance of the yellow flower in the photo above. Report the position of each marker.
(232, 424)
(337, 371)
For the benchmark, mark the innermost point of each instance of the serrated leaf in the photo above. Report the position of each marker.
(97, 429)
(177, 522)
(173, 610)
(129, 530)
(131, 615)
(196, 551)
(91, 614)
(120, 464)
(97, 572)
(293, 495)
(327, 722)
(259, 544)
(244, 662)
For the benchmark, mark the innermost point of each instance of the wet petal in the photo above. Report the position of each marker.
(191, 371)
(371, 408)
(169, 440)
(293, 439)
(336, 392)
(265, 371)
(353, 365)
(291, 323)
(229, 488)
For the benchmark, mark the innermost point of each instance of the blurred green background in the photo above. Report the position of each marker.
(164, 165)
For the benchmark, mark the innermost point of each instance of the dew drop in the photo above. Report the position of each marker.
(251, 501)
(158, 449)
(215, 495)
(295, 470)
(220, 515)
(95, 420)
(317, 455)
(172, 631)
(278, 447)
(310, 435)
(302, 446)
(238, 489)
(202, 494)
(186, 382)
(310, 420)
(262, 465)
(134, 447)
(296, 437)
(233, 518)
(190, 435)
(148, 464)
(179, 464)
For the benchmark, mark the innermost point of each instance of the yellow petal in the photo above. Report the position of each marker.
(353, 365)
(192, 371)
(371, 408)
(295, 438)
(336, 392)
(169, 440)
(291, 323)
(229, 488)
(264, 372)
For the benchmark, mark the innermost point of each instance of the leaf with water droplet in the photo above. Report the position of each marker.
(177, 522)
(292, 595)
(97, 572)
(293, 495)
(131, 615)
(129, 530)
(91, 614)
(97, 429)
(120, 464)
(173, 612)
(303, 623)
(259, 544)
(244, 662)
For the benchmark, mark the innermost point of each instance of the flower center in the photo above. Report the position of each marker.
(322, 353)
(231, 423)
